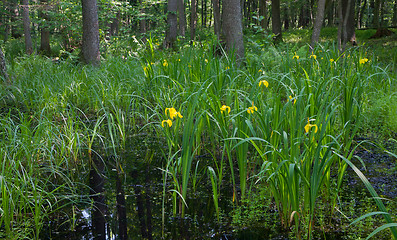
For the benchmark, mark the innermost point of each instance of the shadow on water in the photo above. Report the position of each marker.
(127, 204)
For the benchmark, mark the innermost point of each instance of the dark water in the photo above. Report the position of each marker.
(127, 203)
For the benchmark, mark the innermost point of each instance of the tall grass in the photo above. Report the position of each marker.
(288, 118)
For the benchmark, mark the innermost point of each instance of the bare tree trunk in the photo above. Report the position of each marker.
(3, 67)
(217, 18)
(26, 27)
(263, 13)
(90, 47)
(193, 19)
(114, 25)
(142, 25)
(346, 30)
(318, 22)
(233, 28)
(394, 22)
(45, 33)
(182, 17)
(375, 21)
(361, 14)
(172, 21)
(276, 21)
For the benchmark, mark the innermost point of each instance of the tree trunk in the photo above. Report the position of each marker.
(233, 29)
(3, 67)
(346, 30)
(90, 47)
(217, 18)
(172, 21)
(375, 21)
(276, 21)
(142, 25)
(330, 9)
(286, 19)
(318, 22)
(263, 13)
(114, 26)
(182, 17)
(26, 27)
(361, 14)
(193, 19)
(45, 32)
(394, 22)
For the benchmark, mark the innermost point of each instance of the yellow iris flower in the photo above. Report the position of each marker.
(251, 110)
(363, 60)
(165, 63)
(295, 56)
(332, 60)
(290, 98)
(313, 56)
(264, 82)
(309, 126)
(173, 113)
(168, 122)
(225, 108)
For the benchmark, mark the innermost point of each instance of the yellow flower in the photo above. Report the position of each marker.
(313, 56)
(173, 113)
(290, 98)
(225, 108)
(264, 82)
(295, 56)
(227, 67)
(332, 60)
(363, 60)
(260, 70)
(169, 122)
(251, 110)
(206, 60)
(308, 126)
(179, 60)
(165, 63)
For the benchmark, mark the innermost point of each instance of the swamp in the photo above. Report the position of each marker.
(294, 141)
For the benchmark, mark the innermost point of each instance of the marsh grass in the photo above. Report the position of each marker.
(289, 134)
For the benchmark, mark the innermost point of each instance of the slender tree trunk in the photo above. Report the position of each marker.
(143, 25)
(286, 19)
(263, 13)
(394, 22)
(346, 31)
(182, 17)
(26, 27)
(193, 19)
(217, 18)
(90, 47)
(276, 21)
(172, 21)
(330, 9)
(233, 29)
(375, 21)
(114, 25)
(45, 32)
(3, 67)
(361, 14)
(318, 22)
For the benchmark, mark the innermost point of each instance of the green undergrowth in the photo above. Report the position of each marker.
(287, 119)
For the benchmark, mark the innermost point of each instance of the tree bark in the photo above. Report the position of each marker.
(346, 30)
(394, 21)
(3, 67)
(233, 29)
(276, 21)
(26, 27)
(193, 19)
(182, 17)
(263, 13)
(217, 18)
(318, 23)
(361, 14)
(90, 47)
(45, 47)
(172, 24)
(375, 21)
